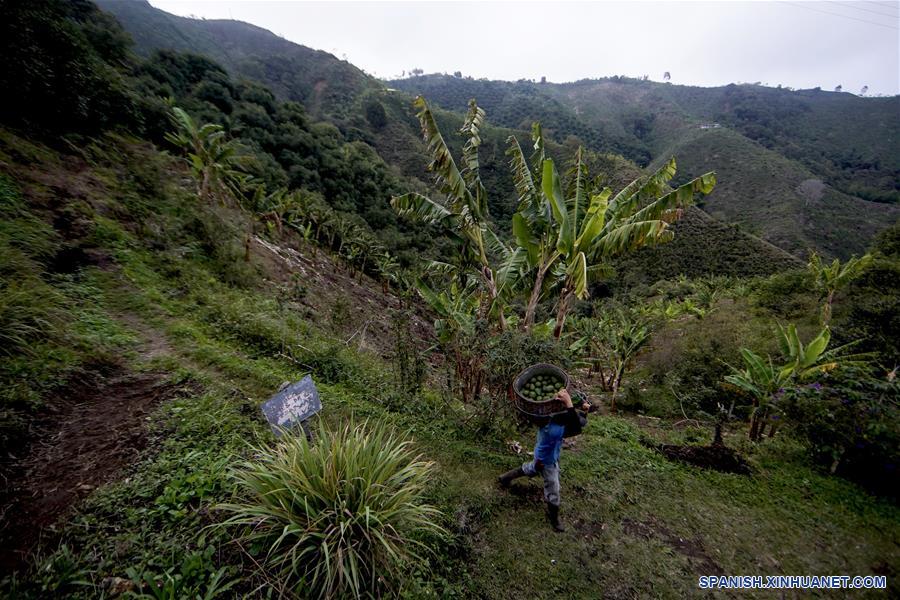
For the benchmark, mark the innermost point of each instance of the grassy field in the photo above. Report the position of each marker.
(169, 302)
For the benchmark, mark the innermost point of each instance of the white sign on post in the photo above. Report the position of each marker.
(292, 406)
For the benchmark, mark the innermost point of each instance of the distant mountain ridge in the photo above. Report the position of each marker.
(787, 162)
(797, 168)
(315, 78)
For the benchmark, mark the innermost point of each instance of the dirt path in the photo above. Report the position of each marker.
(88, 433)
(94, 434)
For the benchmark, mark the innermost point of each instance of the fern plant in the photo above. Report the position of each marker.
(341, 516)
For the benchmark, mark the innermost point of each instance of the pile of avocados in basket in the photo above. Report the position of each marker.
(543, 387)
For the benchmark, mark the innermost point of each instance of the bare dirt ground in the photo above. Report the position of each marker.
(93, 432)
(715, 457)
(693, 549)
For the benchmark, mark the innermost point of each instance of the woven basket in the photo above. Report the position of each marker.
(538, 411)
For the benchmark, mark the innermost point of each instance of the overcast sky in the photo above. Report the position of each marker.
(798, 44)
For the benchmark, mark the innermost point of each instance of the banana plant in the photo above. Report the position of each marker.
(761, 380)
(577, 232)
(532, 224)
(828, 279)
(622, 337)
(813, 360)
(388, 267)
(213, 159)
(764, 381)
(456, 309)
(272, 207)
(462, 206)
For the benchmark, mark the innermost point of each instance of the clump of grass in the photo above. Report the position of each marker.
(342, 516)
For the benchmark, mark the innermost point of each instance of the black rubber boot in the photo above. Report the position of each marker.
(553, 517)
(506, 479)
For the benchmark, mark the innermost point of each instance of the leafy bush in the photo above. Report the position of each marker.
(341, 516)
(688, 359)
(852, 425)
(869, 310)
(788, 294)
(62, 59)
(505, 356)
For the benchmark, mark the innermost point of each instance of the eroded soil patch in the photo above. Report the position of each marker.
(692, 548)
(718, 457)
(94, 432)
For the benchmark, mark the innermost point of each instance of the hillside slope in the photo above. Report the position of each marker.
(148, 316)
(319, 80)
(776, 198)
(704, 246)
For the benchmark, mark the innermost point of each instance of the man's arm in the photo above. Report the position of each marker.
(570, 419)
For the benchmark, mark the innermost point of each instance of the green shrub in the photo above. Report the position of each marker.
(343, 516)
(788, 294)
(851, 423)
(688, 357)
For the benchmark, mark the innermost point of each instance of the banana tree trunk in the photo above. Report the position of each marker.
(565, 299)
(836, 462)
(203, 192)
(533, 300)
(717, 437)
(826, 309)
(488, 277)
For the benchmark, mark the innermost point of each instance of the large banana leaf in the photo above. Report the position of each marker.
(447, 176)
(575, 203)
(423, 208)
(525, 238)
(627, 201)
(631, 236)
(578, 275)
(814, 350)
(471, 129)
(522, 178)
(512, 269)
(680, 198)
(594, 220)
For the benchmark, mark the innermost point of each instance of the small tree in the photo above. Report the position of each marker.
(574, 233)
(388, 267)
(462, 207)
(213, 159)
(614, 340)
(828, 279)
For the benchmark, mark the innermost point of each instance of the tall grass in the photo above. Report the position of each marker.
(343, 516)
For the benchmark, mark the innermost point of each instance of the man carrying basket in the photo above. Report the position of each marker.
(546, 454)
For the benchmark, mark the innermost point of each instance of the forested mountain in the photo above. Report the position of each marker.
(324, 84)
(800, 169)
(363, 109)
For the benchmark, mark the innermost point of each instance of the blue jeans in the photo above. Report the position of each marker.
(550, 473)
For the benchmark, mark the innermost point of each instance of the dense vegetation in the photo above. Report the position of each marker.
(176, 242)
